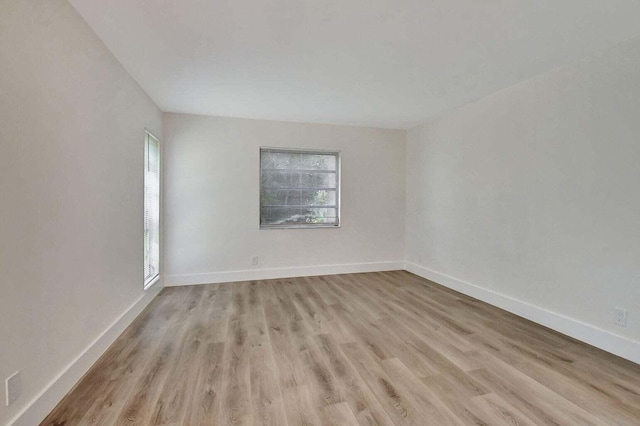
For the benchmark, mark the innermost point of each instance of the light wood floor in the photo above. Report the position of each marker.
(380, 348)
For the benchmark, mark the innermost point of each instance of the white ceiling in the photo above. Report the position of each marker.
(379, 63)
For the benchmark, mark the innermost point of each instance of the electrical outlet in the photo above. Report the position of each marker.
(13, 387)
(620, 317)
(254, 260)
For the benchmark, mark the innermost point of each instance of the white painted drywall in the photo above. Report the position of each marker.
(71, 156)
(211, 194)
(532, 192)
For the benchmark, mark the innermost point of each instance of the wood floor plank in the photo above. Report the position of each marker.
(440, 363)
(432, 410)
(310, 314)
(322, 384)
(383, 348)
(235, 400)
(291, 373)
(207, 390)
(500, 412)
(266, 396)
(178, 386)
(577, 390)
(461, 405)
(398, 405)
(340, 414)
(365, 335)
(543, 402)
(332, 325)
(140, 405)
(362, 402)
(299, 407)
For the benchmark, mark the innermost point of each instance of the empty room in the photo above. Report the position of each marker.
(320, 212)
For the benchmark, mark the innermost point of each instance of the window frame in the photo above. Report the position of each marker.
(152, 279)
(338, 156)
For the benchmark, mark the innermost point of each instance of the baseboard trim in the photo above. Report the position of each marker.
(40, 406)
(602, 339)
(274, 273)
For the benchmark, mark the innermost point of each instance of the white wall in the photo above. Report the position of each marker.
(71, 156)
(212, 200)
(533, 193)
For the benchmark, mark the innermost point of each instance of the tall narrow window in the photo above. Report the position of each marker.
(151, 209)
(299, 188)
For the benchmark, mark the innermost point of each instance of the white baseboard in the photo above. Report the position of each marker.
(40, 406)
(605, 340)
(273, 273)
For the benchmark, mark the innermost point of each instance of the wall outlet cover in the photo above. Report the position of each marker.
(620, 317)
(13, 388)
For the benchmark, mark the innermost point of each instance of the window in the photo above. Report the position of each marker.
(151, 209)
(299, 188)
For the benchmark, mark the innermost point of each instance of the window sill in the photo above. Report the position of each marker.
(267, 227)
(149, 284)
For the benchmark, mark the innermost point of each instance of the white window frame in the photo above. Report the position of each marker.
(154, 277)
(338, 172)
